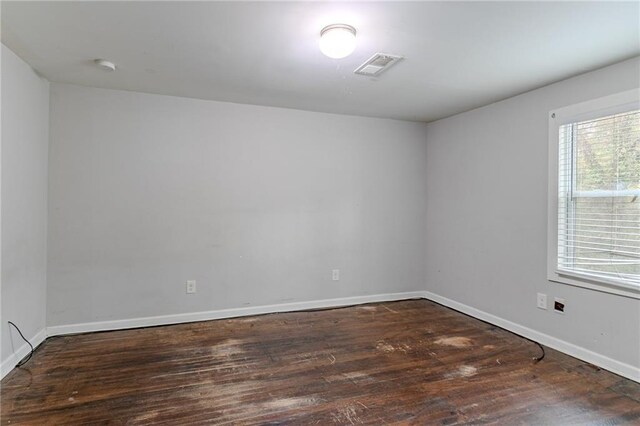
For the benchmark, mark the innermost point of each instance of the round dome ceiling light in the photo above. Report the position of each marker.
(105, 65)
(338, 40)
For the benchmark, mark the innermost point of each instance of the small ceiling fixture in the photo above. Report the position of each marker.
(105, 65)
(338, 40)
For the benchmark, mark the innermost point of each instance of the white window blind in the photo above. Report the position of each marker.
(599, 198)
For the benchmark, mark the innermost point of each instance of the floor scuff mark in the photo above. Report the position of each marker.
(389, 309)
(227, 348)
(347, 415)
(288, 403)
(456, 342)
(463, 371)
(389, 348)
(385, 347)
(355, 377)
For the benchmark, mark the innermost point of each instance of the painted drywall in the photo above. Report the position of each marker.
(487, 173)
(25, 140)
(257, 204)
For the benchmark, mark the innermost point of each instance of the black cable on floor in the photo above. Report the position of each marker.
(24, 361)
(537, 359)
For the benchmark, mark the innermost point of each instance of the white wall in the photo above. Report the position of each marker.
(25, 124)
(487, 173)
(257, 204)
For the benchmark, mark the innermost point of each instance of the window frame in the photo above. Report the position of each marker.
(608, 105)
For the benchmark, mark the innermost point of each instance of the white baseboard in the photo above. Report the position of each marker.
(13, 360)
(227, 313)
(620, 368)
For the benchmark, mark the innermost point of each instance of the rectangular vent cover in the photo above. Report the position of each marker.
(377, 64)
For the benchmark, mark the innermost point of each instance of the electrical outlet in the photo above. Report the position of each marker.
(335, 275)
(542, 301)
(191, 286)
(558, 305)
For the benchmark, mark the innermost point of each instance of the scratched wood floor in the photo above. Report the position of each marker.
(409, 362)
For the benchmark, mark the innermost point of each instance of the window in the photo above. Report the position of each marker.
(595, 240)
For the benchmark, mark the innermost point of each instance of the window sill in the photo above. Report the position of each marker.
(591, 283)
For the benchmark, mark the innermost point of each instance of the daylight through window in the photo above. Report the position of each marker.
(599, 198)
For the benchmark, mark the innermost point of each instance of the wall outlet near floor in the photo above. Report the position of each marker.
(335, 275)
(558, 305)
(191, 286)
(542, 301)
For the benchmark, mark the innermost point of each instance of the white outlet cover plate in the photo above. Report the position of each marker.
(542, 301)
(191, 286)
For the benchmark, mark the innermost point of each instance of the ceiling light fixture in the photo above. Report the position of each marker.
(105, 65)
(337, 40)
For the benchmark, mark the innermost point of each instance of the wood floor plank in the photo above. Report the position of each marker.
(408, 362)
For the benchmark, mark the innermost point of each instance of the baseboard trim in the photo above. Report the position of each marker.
(227, 313)
(617, 367)
(10, 363)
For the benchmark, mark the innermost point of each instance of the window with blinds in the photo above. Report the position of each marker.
(599, 198)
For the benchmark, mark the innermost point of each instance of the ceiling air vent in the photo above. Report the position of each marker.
(377, 64)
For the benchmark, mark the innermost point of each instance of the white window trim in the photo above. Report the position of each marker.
(620, 102)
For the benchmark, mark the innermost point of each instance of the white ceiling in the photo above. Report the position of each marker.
(459, 55)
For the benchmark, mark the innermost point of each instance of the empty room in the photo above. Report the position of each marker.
(320, 213)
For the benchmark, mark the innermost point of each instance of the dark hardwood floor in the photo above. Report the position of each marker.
(409, 362)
